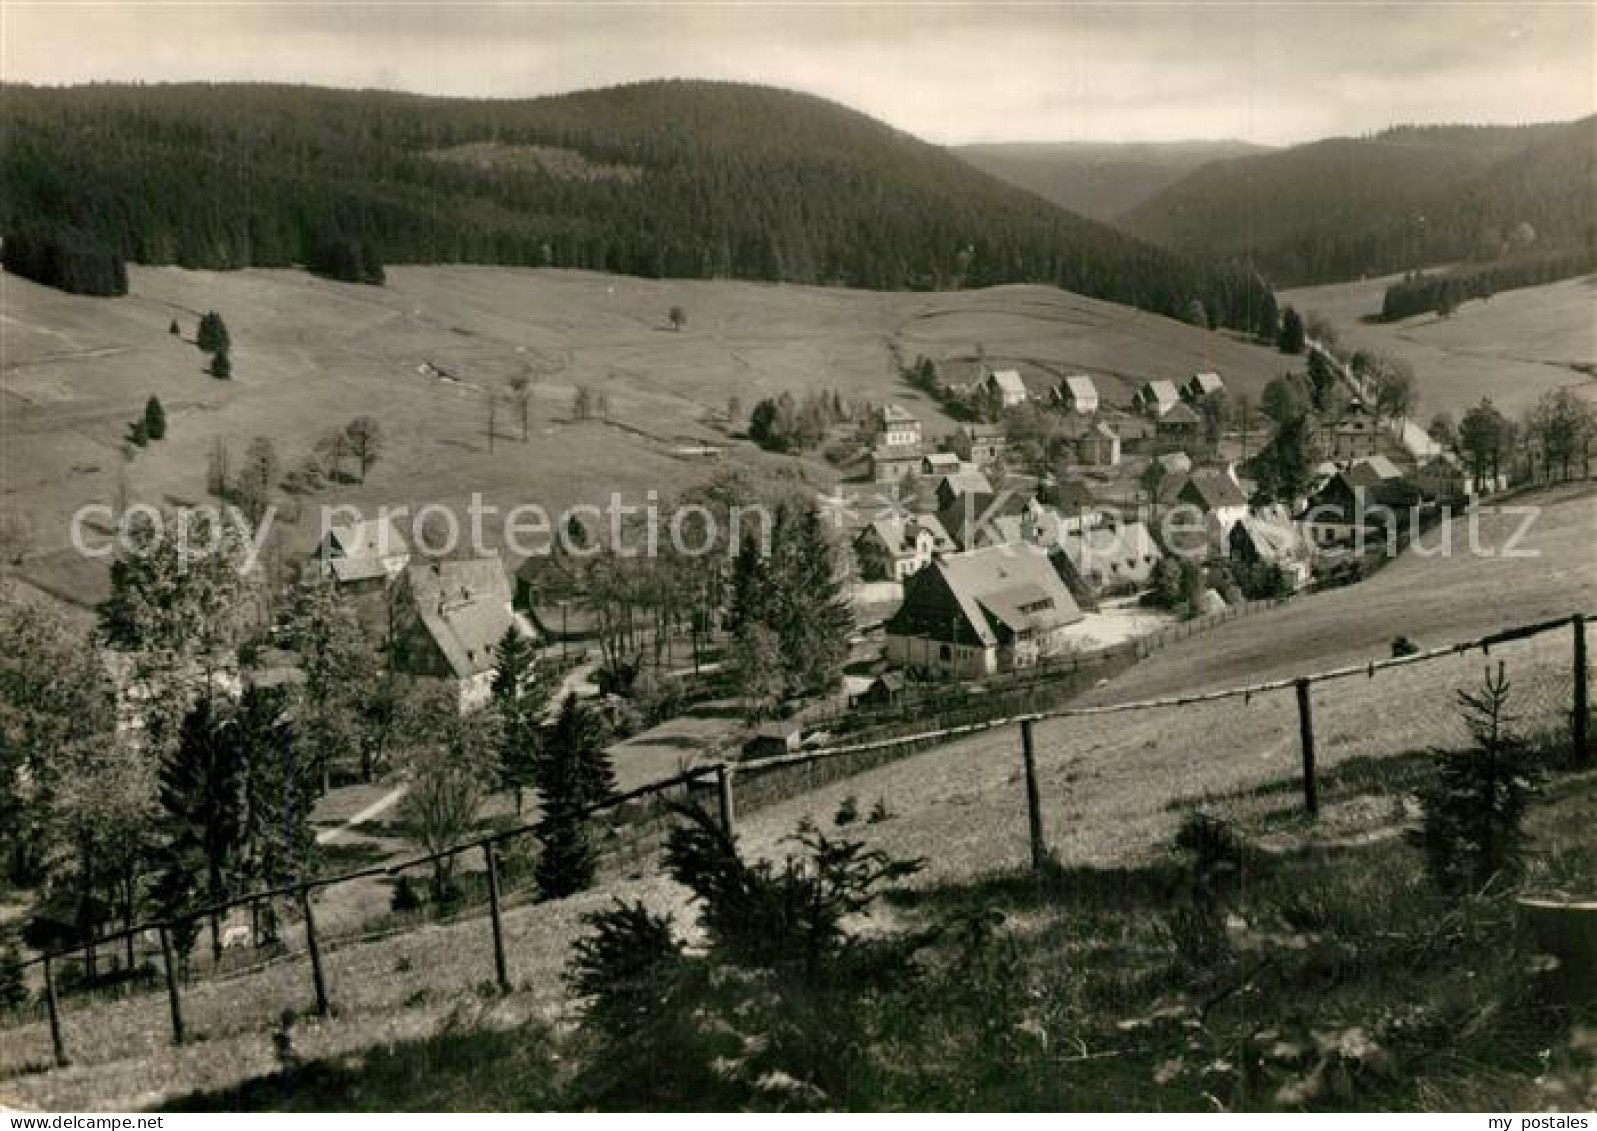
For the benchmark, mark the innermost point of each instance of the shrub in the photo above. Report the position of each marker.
(154, 419)
(1471, 829)
(404, 898)
(13, 987)
(782, 1008)
(847, 812)
(212, 336)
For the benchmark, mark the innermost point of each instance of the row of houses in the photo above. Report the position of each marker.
(1160, 410)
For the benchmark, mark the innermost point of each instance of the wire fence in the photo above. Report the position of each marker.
(1304, 744)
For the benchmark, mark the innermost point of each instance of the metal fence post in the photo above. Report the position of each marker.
(1028, 750)
(1580, 730)
(1311, 800)
(314, 948)
(173, 1000)
(501, 970)
(53, 1004)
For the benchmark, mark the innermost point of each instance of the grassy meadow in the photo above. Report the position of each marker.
(1512, 347)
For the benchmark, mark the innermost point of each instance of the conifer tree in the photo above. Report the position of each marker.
(202, 793)
(212, 336)
(516, 707)
(573, 773)
(154, 419)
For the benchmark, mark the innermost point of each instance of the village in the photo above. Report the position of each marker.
(972, 560)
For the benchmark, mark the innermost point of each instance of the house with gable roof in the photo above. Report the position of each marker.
(449, 617)
(974, 614)
(1077, 393)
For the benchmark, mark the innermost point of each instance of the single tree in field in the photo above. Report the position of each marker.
(174, 329)
(573, 774)
(221, 365)
(365, 442)
(213, 336)
(679, 318)
(521, 395)
(202, 791)
(1291, 338)
(154, 419)
(517, 709)
(258, 478)
(331, 450)
(582, 403)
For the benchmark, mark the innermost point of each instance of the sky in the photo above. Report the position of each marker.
(1272, 73)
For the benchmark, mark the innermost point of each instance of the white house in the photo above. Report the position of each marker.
(1078, 394)
(1006, 386)
(1155, 398)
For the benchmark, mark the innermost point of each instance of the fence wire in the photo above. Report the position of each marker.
(1112, 790)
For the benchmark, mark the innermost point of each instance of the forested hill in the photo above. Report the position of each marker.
(677, 179)
(1409, 197)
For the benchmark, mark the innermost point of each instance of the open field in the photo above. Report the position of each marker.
(1512, 347)
(309, 354)
(1112, 787)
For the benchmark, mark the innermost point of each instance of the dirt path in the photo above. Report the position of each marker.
(376, 809)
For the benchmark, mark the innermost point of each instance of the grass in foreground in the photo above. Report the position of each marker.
(1317, 981)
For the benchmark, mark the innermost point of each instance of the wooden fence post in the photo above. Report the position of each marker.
(314, 948)
(172, 999)
(53, 1004)
(723, 789)
(1311, 800)
(501, 970)
(1028, 750)
(1580, 731)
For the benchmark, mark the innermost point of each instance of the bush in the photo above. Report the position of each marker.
(781, 1009)
(405, 897)
(13, 987)
(154, 419)
(1471, 831)
(212, 336)
(847, 812)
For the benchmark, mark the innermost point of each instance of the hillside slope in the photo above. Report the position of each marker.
(1408, 197)
(309, 354)
(664, 179)
(1112, 788)
(1098, 180)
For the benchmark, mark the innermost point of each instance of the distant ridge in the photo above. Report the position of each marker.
(1098, 179)
(1411, 196)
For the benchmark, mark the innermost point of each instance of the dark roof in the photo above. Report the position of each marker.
(1211, 490)
(985, 595)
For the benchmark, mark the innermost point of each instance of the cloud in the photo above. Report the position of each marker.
(1268, 71)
